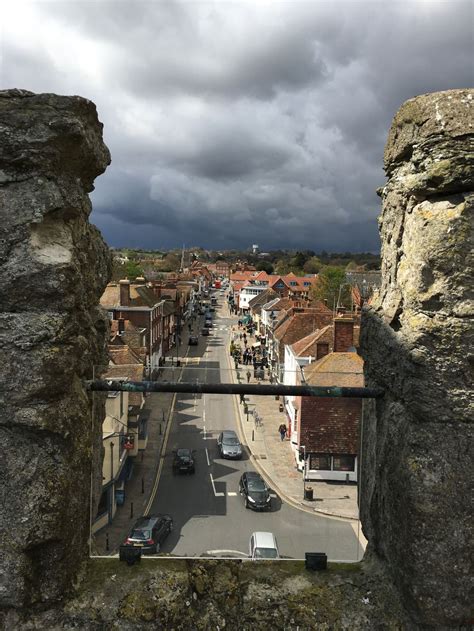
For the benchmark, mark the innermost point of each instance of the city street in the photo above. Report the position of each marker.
(209, 514)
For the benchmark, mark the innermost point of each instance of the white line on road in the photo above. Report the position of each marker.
(214, 488)
(207, 457)
(232, 494)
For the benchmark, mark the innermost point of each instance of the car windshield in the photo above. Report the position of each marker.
(141, 534)
(183, 453)
(230, 440)
(257, 485)
(266, 553)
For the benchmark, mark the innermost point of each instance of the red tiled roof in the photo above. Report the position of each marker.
(300, 325)
(306, 347)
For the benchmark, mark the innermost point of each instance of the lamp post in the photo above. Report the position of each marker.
(303, 447)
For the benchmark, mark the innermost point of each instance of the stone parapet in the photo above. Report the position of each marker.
(415, 341)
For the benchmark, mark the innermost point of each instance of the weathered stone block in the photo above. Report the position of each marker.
(417, 340)
(53, 268)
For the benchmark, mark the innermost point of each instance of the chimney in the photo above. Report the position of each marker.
(343, 334)
(322, 349)
(124, 293)
(121, 326)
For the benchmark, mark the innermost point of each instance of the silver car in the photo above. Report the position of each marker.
(229, 445)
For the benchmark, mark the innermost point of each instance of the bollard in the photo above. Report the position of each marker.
(107, 546)
(253, 435)
(143, 485)
(160, 430)
(131, 510)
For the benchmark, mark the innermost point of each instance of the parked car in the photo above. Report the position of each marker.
(263, 545)
(193, 340)
(254, 490)
(149, 532)
(212, 309)
(208, 323)
(205, 331)
(229, 445)
(183, 461)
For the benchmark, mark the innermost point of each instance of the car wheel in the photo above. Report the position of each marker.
(157, 548)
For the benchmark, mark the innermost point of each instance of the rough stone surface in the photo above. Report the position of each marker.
(210, 595)
(53, 268)
(417, 340)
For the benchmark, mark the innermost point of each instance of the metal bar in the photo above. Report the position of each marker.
(233, 388)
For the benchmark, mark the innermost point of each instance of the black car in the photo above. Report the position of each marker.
(208, 323)
(205, 331)
(193, 340)
(183, 461)
(149, 532)
(256, 493)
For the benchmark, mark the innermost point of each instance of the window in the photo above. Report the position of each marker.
(306, 283)
(320, 462)
(343, 463)
(293, 283)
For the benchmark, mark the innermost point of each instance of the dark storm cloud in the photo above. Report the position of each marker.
(230, 123)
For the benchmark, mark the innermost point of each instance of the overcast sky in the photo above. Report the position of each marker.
(238, 123)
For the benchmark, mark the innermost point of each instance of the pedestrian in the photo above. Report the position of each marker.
(249, 374)
(242, 398)
(239, 322)
(240, 336)
(282, 430)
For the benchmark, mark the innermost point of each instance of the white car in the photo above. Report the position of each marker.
(263, 545)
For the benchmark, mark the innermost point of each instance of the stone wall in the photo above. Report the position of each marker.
(417, 341)
(53, 268)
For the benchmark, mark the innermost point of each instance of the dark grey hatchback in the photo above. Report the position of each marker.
(149, 532)
(256, 493)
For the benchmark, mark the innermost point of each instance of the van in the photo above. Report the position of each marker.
(263, 545)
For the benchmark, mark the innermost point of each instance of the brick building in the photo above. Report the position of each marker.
(136, 302)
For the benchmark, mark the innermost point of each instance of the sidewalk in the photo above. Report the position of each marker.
(141, 487)
(276, 460)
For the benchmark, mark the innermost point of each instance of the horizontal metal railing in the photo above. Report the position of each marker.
(99, 385)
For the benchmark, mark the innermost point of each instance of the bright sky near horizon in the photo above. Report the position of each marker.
(232, 123)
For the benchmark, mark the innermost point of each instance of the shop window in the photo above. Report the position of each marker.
(343, 463)
(320, 462)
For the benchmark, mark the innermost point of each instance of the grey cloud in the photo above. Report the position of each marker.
(235, 123)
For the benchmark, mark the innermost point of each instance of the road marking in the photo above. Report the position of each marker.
(164, 445)
(232, 494)
(207, 457)
(214, 488)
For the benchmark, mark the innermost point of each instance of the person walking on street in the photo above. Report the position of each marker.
(282, 430)
(249, 374)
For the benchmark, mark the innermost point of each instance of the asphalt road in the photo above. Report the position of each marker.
(209, 514)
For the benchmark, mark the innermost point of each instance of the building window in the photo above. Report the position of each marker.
(343, 463)
(293, 283)
(305, 283)
(320, 462)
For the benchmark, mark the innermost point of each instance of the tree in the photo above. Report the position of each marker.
(312, 265)
(265, 266)
(298, 260)
(131, 269)
(332, 286)
(282, 267)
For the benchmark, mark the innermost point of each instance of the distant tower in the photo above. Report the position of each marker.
(255, 248)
